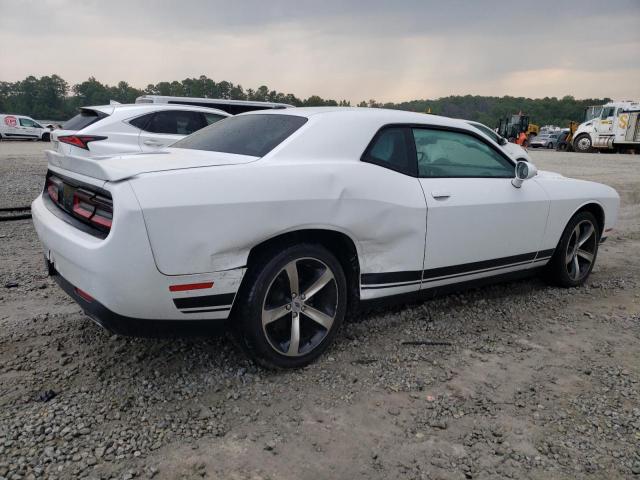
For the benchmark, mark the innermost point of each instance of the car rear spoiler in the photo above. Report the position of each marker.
(85, 166)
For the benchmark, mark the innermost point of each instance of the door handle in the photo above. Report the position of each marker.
(152, 143)
(440, 194)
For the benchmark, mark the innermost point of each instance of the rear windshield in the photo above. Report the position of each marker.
(83, 119)
(254, 135)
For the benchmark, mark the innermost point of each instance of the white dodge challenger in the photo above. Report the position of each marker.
(284, 221)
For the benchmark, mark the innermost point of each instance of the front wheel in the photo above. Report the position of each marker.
(46, 137)
(292, 304)
(576, 252)
(582, 143)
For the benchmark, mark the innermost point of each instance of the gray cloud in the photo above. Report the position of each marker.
(388, 50)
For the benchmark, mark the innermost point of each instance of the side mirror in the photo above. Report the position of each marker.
(524, 171)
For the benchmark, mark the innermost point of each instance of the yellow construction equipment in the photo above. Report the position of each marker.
(511, 127)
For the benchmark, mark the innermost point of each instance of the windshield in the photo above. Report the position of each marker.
(592, 112)
(487, 131)
(254, 135)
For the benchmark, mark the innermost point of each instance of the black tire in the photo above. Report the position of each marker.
(550, 146)
(46, 137)
(561, 271)
(582, 143)
(268, 281)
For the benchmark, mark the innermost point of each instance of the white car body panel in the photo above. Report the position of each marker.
(194, 216)
(394, 204)
(482, 219)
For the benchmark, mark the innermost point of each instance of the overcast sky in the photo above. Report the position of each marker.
(385, 50)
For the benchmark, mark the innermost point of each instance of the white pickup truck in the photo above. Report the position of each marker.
(616, 128)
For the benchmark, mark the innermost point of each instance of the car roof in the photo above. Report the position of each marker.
(160, 99)
(383, 115)
(345, 132)
(126, 108)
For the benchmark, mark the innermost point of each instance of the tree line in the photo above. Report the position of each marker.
(52, 98)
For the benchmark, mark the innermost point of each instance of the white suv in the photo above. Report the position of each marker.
(131, 128)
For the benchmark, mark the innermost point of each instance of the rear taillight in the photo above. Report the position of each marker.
(93, 208)
(80, 141)
(53, 188)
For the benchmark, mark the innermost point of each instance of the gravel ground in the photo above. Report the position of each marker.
(530, 382)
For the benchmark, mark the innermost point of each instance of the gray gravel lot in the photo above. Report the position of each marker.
(538, 382)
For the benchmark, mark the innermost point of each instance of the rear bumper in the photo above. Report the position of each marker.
(119, 272)
(136, 327)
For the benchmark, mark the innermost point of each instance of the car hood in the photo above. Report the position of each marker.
(121, 167)
(548, 174)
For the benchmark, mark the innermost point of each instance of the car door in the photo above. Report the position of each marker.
(478, 223)
(605, 123)
(391, 220)
(168, 126)
(27, 128)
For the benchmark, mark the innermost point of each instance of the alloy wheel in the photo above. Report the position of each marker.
(300, 307)
(581, 250)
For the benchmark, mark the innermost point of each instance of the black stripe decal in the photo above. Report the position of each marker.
(391, 285)
(202, 310)
(470, 267)
(395, 279)
(205, 301)
(545, 253)
(20, 135)
(474, 272)
(390, 277)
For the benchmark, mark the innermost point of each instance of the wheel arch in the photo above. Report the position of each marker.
(596, 209)
(339, 243)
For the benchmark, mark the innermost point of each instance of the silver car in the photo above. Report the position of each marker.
(547, 140)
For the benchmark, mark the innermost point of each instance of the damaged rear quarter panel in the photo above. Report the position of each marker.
(208, 219)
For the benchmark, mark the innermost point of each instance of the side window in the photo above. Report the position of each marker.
(389, 149)
(141, 121)
(443, 153)
(212, 118)
(25, 122)
(607, 112)
(175, 122)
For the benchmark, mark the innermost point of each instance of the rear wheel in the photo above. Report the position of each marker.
(46, 137)
(576, 252)
(550, 146)
(292, 304)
